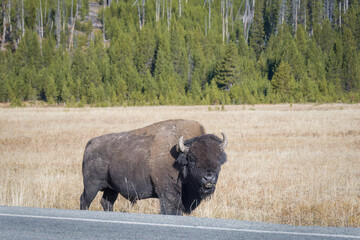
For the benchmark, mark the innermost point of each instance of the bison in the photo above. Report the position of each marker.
(154, 162)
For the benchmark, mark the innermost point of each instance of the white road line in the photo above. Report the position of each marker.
(185, 226)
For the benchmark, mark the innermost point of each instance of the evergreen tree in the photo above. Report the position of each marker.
(334, 66)
(145, 50)
(121, 89)
(325, 37)
(51, 91)
(301, 40)
(226, 74)
(179, 56)
(257, 33)
(270, 18)
(351, 76)
(183, 60)
(213, 94)
(66, 95)
(283, 80)
(196, 92)
(352, 21)
(315, 13)
(309, 90)
(92, 94)
(316, 67)
(164, 70)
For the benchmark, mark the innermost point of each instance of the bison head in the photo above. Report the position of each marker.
(200, 160)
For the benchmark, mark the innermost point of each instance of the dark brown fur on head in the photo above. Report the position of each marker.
(204, 158)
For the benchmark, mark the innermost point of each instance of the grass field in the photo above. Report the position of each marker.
(295, 164)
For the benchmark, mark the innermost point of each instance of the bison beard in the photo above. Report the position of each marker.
(154, 162)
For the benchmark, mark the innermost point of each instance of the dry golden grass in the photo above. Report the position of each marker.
(295, 165)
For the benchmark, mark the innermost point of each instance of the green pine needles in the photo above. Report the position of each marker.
(150, 54)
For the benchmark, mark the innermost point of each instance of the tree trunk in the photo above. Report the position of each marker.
(42, 21)
(143, 11)
(9, 14)
(41, 30)
(18, 25)
(168, 19)
(72, 7)
(226, 18)
(157, 17)
(4, 28)
(347, 5)
(326, 8)
(73, 27)
(253, 11)
(45, 11)
(64, 16)
(296, 16)
(209, 14)
(22, 18)
(170, 9)
(179, 8)
(58, 24)
(169, 15)
(223, 19)
(139, 13)
(282, 9)
(340, 14)
(9, 19)
(305, 18)
(247, 19)
(163, 13)
(232, 15)
(104, 35)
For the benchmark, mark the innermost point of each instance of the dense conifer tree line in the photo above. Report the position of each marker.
(154, 52)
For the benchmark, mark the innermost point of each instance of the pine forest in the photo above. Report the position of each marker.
(179, 52)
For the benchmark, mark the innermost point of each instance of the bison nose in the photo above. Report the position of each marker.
(209, 177)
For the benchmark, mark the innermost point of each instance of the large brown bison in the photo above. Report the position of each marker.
(154, 162)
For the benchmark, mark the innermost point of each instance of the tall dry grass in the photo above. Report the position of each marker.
(295, 165)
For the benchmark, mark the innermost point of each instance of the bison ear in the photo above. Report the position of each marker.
(181, 160)
(181, 163)
(223, 158)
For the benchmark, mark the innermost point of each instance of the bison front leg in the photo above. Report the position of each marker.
(108, 199)
(171, 204)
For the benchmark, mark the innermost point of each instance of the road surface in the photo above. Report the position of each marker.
(40, 223)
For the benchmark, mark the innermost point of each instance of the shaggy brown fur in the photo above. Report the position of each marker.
(146, 163)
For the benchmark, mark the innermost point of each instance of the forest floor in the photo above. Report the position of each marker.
(296, 164)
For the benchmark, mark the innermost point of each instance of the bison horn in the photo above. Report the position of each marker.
(182, 147)
(224, 144)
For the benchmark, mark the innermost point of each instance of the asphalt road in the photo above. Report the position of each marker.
(40, 223)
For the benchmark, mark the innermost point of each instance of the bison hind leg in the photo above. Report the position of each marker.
(133, 201)
(108, 199)
(86, 198)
